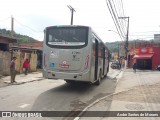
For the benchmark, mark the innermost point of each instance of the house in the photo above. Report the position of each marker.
(5, 55)
(6, 42)
(146, 55)
(31, 51)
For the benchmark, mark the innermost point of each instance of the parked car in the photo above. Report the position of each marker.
(158, 67)
(115, 65)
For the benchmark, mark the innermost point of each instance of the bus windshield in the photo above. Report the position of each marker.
(66, 36)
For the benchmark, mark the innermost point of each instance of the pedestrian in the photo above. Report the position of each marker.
(134, 67)
(26, 66)
(123, 63)
(13, 70)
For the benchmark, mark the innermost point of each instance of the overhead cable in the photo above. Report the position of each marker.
(27, 26)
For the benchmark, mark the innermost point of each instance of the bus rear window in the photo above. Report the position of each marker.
(61, 36)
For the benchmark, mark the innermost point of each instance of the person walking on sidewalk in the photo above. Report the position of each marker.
(134, 67)
(13, 70)
(26, 66)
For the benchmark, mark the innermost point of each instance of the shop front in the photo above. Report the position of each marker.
(144, 61)
(146, 58)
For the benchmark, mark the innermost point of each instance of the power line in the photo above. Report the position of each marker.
(146, 32)
(115, 15)
(118, 14)
(141, 35)
(122, 14)
(115, 18)
(118, 9)
(4, 19)
(122, 8)
(27, 26)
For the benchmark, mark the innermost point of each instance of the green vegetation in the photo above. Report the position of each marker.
(112, 46)
(20, 38)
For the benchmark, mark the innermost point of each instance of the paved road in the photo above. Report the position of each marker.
(54, 95)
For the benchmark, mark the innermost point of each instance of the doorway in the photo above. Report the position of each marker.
(144, 64)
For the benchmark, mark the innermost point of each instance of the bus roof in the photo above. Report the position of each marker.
(68, 26)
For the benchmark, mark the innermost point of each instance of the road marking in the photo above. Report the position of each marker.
(24, 105)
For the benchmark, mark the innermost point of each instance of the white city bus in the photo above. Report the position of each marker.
(74, 53)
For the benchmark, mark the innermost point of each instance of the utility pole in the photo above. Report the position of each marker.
(126, 45)
(12, 26)
(118, 50)
(127, 37)
(72, 10)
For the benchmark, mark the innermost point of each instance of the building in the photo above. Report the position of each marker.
(157, 37)
(5, 55)
(146, 58)
(30, 51)
(6, 42)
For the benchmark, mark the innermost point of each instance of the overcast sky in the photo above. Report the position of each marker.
(32, 16)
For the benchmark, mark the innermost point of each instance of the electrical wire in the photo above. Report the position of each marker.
(122, 14)
(118, 9)
(4, 19)
(121, 27)
(27, 26)
(115, 18)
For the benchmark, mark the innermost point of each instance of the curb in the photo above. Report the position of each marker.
(98, 100)
(19, 83)
(85, 109)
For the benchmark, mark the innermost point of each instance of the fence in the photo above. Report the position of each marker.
(5, 59)
(21, 57)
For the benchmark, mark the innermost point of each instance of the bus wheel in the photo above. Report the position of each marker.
(69, 81)
(99, 79)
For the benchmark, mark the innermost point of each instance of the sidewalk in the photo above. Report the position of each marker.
(21, 79)
(134, 92)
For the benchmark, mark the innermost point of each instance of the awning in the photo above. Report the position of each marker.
(143, 56)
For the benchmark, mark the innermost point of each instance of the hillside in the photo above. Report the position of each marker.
(112, 46)
(20, 38)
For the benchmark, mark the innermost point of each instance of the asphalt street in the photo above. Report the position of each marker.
(54, 95)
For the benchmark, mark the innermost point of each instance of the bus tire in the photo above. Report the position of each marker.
(107, 69)
(70, 81)
(99, 79)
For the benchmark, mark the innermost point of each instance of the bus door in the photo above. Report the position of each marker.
(96, 60)
(103, 56)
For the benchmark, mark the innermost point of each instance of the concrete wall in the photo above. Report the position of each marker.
(5, 59)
